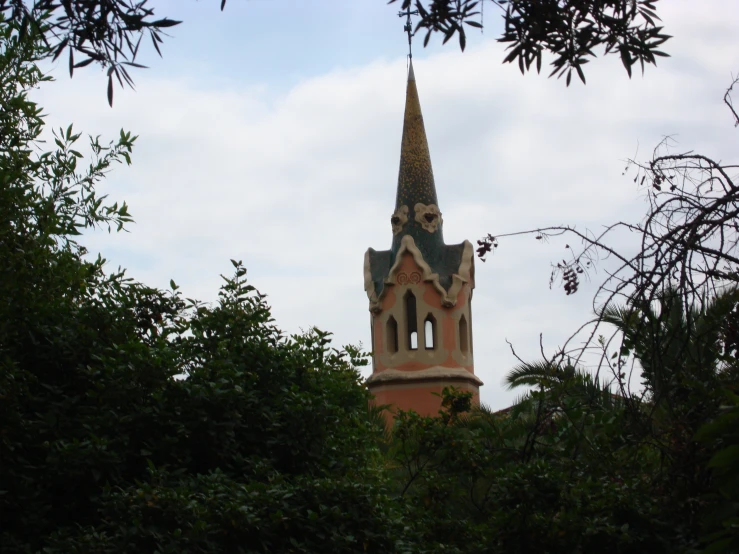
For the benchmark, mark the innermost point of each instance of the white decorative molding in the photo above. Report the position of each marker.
(369, 284)
(465, 272)
(436, 373)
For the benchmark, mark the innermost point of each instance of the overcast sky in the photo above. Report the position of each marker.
(270, 133)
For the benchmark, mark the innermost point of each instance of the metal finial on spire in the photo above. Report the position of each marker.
(408, 28)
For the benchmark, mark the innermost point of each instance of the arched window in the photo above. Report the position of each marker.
(469, 309)
(392, 335)
(372, 331)
(429, 332)
(411, 320)
(463, 335)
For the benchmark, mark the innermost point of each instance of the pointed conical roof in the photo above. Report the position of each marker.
(416, 178)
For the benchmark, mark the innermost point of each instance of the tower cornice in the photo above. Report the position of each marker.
(459, 275)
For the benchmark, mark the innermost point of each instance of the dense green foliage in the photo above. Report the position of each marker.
(133, 420)
(575, 467)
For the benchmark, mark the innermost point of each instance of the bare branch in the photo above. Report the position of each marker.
(729, 103)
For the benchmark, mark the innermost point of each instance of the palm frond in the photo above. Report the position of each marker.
(531, 374)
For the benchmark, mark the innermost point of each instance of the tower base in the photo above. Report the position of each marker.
(414, 390)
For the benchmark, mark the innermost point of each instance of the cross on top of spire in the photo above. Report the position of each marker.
(408, 28)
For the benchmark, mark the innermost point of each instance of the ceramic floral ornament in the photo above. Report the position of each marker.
(428, 216)
(399, 219)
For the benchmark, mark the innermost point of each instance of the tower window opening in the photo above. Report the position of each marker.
(392, 335)
(429, 332)
(411, 320)
(463, 335)
(469, 309)
(372, 331)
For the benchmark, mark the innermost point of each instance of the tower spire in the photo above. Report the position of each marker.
(416, 200)
(420, 290)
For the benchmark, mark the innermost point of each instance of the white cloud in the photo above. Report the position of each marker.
(300, 184)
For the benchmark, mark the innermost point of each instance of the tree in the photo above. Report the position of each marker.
(134, 420)
(669, 314)
(110, 32)
(530, 478)
(575, 466)
(678, 352)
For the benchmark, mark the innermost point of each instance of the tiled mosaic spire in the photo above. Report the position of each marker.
(416, 205)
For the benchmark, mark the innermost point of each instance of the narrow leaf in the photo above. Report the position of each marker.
(580, 73)
(165, 23)
(83, 63)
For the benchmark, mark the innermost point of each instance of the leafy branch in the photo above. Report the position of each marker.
(570, 30)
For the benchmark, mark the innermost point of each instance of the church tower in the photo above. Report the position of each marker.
(420, 291)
